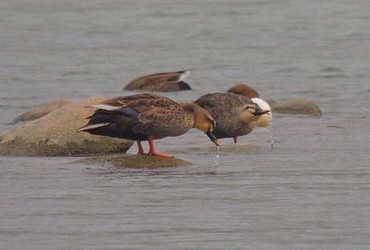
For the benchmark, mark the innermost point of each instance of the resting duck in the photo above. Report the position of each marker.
(165, 82)
(147, 117)
(236, 115)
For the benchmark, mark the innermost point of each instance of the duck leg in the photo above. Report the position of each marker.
(140, 148)
(153, 151)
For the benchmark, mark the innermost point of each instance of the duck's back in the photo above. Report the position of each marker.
(165, 82)
(226, 108)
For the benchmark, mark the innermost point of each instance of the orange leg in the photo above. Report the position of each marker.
(140, 148)
(152, 149)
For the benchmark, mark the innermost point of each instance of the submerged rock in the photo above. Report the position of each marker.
(137, 161)
(55, 135)
(42, 110)
(296, 106)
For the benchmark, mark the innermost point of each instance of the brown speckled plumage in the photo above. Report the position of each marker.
(226, 109)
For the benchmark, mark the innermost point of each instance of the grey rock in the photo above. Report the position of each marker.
(42, 110)
(55, 134)
(296, 106)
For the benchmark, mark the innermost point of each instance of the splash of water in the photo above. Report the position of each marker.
(272, 141)
(217, 156)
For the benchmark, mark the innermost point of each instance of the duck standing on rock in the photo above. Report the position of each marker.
(147, 117)
(236, 115)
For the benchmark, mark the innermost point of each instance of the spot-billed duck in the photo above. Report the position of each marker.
(147, 117)
(235, 115)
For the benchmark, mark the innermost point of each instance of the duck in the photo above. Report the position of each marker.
(160, 82)
(148, 117)
(235, 115)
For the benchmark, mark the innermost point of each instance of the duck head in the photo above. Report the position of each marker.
(265, 119)
(205, 122)
(251, 112)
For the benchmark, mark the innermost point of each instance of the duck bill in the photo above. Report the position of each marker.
(213, 138)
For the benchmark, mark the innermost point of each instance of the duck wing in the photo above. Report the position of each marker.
(225, 108)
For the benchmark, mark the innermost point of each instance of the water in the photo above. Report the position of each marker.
(310, 191)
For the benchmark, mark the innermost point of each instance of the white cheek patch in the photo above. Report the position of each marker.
(265, 118)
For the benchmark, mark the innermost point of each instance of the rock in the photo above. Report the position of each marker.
(55, 135)
(296, 106)
(137, 161)
(42, 110)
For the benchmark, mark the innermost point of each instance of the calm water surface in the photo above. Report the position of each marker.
(310, 191)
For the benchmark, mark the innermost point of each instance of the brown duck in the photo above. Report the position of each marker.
(147, 117)
(165, 82)
(235, 114)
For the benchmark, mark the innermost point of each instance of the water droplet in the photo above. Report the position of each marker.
(272, 141)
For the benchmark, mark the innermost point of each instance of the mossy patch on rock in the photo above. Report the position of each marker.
(137, 161)
(21, 147)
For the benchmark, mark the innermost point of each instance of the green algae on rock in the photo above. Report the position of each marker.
(137, 161)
